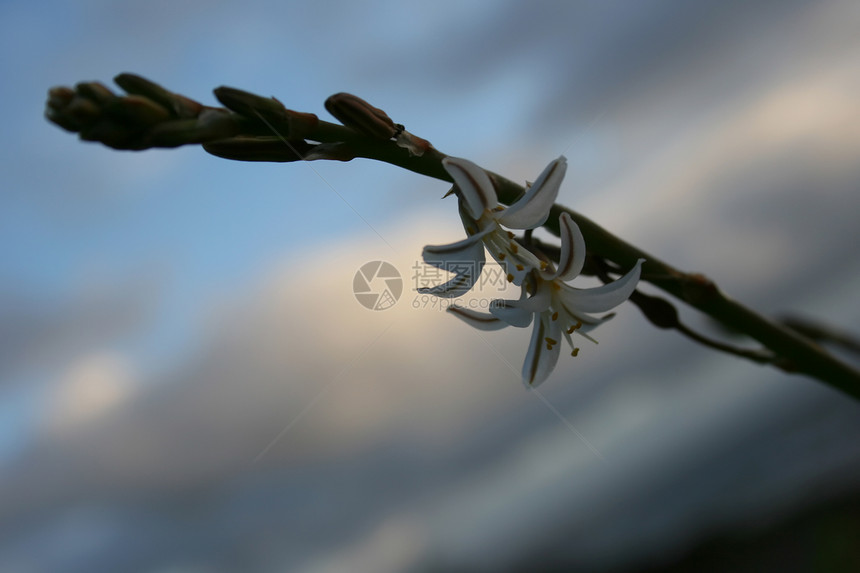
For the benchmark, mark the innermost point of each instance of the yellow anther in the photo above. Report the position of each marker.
(502, 256)
(520, 267)
(510, 278)
(498, 208)
(555, 316)
(575, 352)
(514, 247)
(543, 265)
(511, 235)
(551, 341)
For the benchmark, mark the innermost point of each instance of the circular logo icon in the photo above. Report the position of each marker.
(377, 285)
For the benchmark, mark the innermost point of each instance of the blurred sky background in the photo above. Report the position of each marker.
(187, 383)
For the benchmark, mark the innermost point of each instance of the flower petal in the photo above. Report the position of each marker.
(447, 257)
(458, 286)
(511, 312)
(464, 258)
(532, 209)
(519, 312)
(475, 186)
(602, 298)
(543, 351)
(479, 320)
(572, 257)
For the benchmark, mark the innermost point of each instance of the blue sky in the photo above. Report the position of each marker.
(167, 314)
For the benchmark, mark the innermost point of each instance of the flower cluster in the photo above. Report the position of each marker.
(556, 308)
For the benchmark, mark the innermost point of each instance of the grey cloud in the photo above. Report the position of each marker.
(41, 333)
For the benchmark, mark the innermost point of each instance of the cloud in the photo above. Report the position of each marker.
(92, 386)
(297, 337)
(41, 333)
(394, 546)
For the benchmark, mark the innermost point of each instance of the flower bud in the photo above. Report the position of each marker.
(179, 105)
(82, 111)
(265, 148)
(246, 103)
(285, 122)
(96, 92)
(354, 112)
(59, 97)
(137, 110)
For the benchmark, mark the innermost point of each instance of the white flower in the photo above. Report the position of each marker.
(556, 308)
(483, 218)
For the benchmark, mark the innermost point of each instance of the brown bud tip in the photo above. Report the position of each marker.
(354, 112)
(60, 97)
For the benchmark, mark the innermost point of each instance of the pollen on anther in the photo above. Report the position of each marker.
(574, 352)
(510, 278)
(514, 247)
(502, 256)
(551, 341)
(511, 235)
(520, 268)
(555, 315)
(498, 208)
(543, 265)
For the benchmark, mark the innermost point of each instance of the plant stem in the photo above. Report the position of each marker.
(155, 117)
